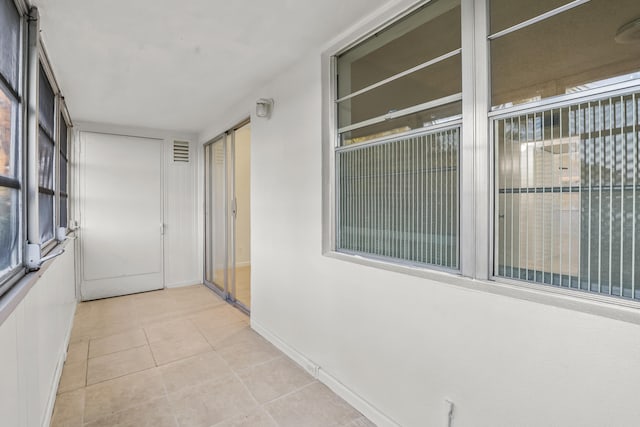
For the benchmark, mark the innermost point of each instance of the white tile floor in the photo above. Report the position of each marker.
(183, 357)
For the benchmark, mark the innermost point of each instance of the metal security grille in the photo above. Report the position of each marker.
(568, 196)
(398, 198)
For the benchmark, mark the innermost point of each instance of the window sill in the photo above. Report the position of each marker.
(14, 296)
(574, 300)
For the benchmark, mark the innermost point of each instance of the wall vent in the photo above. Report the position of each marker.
(181, 151)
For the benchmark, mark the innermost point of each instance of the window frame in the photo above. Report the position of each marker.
(9, 279)
(15, 283)
(468, 172)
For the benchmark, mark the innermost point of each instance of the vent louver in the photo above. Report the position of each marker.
(181, 151)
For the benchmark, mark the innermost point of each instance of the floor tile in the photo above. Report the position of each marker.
(171, 330)
(115, 365)
(69, 409)
(167, 351)
(245, 349)
(360, 422)
(212, 402)
(193, 371)
(312, 406)
(273, 379)
(116, 395)
(152, 414)
(257, 418)
(74, 376)
(116, 343)
(78, 351)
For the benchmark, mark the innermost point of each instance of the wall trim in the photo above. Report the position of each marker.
(183, 284)
(350, 396)
(62, 357)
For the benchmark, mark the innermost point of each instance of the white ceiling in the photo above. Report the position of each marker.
(170, 64)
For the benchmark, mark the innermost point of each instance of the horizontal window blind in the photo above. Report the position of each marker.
(568, 196)
(399, 198)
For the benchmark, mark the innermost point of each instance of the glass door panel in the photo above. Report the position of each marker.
(216, 236)
(241, 214)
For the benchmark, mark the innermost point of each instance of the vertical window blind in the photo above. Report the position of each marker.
(568, 196)
(399, 198)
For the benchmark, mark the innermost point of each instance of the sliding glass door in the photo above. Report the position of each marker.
(227, 215)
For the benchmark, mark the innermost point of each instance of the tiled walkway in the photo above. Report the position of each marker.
(183, 357)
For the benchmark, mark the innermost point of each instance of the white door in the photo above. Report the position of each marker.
(121, 215)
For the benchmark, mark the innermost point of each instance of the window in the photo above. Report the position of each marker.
(566, 130)
(49, 163)
(47, 151)
(10, 137)
(64, 172)
(398, 108)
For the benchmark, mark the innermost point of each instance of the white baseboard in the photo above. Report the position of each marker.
(48, 415)
(366, 408)
(183, 284)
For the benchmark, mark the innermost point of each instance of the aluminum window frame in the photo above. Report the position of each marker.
(13, 276)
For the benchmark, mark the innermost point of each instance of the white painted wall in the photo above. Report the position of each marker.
(33, 344)
(397, 345)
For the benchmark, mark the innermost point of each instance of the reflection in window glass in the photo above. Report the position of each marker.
(9, 229)
(403, 124)
(428, 33)
(46, 217)
(8, 158)
(46, 151)
(434, 82)
(46, 99)
(507, 13)
(9, 42)
(561, 53)
(568, 201)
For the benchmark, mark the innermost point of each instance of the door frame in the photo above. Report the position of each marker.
(228, 293)
(82, 193)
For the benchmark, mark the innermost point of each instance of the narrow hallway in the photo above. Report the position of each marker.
(183, 357)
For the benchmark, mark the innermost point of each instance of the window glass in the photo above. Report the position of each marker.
(428, 33)
(8, 153)
(46, 99)
(507, 13)
(397, 197)
(47, 156)
(46, 217)
(63, 136)
(63, 175)
(64, 202)
(402, 124)
(564, 53)
(9, 42)
(568, 203)
(9, 229)
(434, 82)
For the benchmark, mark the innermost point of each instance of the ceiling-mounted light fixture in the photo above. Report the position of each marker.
(264, 107)
(629, 33)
